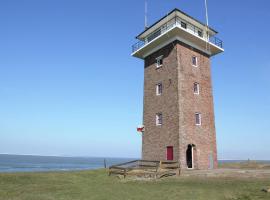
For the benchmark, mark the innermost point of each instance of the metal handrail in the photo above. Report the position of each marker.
(137, 45)
(169, 25)
(216, 41)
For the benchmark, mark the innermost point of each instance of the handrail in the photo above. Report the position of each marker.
(125, 163)
(176, 21)
(216, 41)
(156, 169)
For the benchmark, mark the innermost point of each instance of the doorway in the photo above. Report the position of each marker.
(189, 156)
(169, 153)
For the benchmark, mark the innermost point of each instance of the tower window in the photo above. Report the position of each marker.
(200, 33)
(183, 25)
(159, 61)
(159, 89)
(196, 88)
(194, 61)
(159, 119)
(198, 119)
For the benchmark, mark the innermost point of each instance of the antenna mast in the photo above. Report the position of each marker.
(206, 12)
(207, 24)
(145, 15)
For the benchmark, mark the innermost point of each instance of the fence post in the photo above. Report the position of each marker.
(179, 169)
(125, 173)
(105, 164)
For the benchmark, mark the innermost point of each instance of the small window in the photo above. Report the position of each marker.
(159, 89)
(196, 88)
(194, 61)
(200, 33)
(159, 62)
(198, 119)
(183, 25)
(158, 119)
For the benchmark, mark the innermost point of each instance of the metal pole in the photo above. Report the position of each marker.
(105, 164)
(145, 15)
(207, 25)
(206, 12)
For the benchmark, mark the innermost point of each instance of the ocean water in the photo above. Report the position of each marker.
(22, 163)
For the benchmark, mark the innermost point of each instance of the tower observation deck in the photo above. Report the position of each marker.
(177, 25)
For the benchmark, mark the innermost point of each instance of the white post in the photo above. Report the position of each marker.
(192, 159)
(142, 147)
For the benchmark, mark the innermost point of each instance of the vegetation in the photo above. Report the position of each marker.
(245, 165)
(97, 185)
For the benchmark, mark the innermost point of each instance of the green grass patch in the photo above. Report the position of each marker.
(97, 185)
(245, 165)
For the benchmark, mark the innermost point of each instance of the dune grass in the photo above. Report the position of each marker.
(97, 185)
(245, 165)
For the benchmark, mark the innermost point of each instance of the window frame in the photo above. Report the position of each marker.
(183, 25)
(158, 59)
(200, 33)
(196, 61)
(200, 119)
(159, 88)
(197, 85)
(159, 119)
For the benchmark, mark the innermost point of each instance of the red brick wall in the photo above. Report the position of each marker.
(178, 105)
(157, 138)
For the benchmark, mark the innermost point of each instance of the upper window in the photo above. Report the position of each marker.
(159, 61)
(183, 25)
(159, 89)
(200, 33)
(159, 119)
(196, 88)
(198, 119)
(194, 61)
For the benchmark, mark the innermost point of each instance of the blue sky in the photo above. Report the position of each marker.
(68, 85)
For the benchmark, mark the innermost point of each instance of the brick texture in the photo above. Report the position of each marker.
(178, 105)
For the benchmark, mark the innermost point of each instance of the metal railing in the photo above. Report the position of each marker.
(176, 21)
(137, 45)
(216, 41)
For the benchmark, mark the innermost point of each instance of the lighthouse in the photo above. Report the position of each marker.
(178, 110)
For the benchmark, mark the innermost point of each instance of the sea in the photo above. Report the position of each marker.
(29, 163)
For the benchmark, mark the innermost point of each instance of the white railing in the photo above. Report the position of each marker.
(176, 21)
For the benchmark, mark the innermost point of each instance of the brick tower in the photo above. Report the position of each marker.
(178, 113)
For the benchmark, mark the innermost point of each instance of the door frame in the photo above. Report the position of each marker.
(172, 154)
(192, 156)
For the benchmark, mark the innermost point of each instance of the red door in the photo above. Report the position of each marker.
(170, 153)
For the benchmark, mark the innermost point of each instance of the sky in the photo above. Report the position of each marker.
(69, 86)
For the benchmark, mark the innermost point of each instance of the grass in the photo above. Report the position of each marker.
(245, 165)
(97, 185)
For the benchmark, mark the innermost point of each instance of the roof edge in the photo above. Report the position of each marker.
(175, 10)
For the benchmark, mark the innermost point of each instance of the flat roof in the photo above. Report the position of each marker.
(175, 10)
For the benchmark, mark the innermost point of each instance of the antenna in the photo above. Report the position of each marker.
(207, 24)
(145, 15)
(206, 12)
